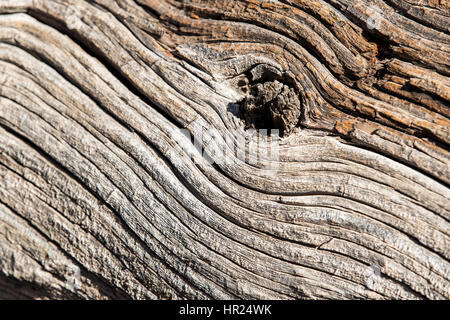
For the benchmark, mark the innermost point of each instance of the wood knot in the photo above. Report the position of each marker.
(271, 105)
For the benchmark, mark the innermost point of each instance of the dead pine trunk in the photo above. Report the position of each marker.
(201, 149)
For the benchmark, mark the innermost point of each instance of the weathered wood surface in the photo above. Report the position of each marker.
(98, 201)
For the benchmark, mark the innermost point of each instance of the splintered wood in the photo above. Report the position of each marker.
(201, 149)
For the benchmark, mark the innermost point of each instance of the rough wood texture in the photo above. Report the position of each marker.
(97, 199)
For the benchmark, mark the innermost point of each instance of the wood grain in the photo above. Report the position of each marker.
(98, 201)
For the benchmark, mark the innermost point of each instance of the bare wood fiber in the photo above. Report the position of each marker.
(97, 203)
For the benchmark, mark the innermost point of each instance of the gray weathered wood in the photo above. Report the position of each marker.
(98, 200)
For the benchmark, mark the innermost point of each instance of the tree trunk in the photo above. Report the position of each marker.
(134, 161)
